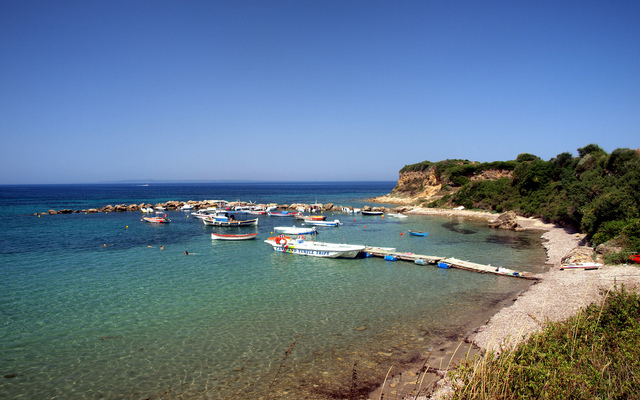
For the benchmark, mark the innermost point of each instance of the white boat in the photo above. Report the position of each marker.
(281, 214)
(323, 223)
(584, 265)
(296, 230)
(223, 219)
(221, 236)
(285, 244)
(397, 215)
(147, 209)
(157, 220)
(187, 207)
(372, 212)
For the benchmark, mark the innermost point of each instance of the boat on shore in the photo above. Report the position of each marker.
(285, 244)
(418, 233)
(323, 223)
(296, 230)
(584, 265)
(157, 220)
(635, 258)
(222, 236)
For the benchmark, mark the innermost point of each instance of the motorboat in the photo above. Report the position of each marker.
(281, 214)
(372, 212)
(311, 217)
(323, 223)
(285, 244)
(296, 230)
(157, 220)
(221, 236)
(187, 207)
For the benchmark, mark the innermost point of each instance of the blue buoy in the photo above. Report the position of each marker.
(443, 265)
(389, 257)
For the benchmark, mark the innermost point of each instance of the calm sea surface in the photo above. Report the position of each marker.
(83, 321)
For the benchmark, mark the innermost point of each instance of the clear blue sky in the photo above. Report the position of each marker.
(95, 91)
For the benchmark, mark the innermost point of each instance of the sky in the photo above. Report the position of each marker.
(103, 91)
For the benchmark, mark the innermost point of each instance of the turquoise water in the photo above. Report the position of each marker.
(130, 320)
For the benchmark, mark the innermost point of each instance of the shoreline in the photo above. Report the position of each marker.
(557, 295)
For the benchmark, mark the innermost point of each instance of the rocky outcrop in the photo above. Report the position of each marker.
(578, 255)
(508, 220)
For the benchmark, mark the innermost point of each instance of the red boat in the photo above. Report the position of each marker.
(157, 220)
(635, 258)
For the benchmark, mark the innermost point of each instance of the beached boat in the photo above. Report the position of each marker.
(157, 220)
(285, 244)
(323, 223)
(372, 212)
(418, 233)
(221, 236)
(296, 230)
(635, 258)
(281, 214)
(584, 265)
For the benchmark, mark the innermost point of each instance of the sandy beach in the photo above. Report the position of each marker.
(557, 295)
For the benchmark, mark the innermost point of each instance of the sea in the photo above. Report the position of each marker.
(105, 306)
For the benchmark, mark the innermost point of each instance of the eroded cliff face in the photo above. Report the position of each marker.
(418, 184)
(427, 185)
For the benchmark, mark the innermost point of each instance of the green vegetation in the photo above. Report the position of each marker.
(596, 193)
(592, 355)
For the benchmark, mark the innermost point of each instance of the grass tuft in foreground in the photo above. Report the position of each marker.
(595, 354)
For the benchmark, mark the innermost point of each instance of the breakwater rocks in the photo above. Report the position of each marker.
(204, 204)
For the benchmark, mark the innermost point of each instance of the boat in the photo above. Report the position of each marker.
(157, 220)
(397, 215)
(296, 230)
(223, 220)
(584, 265)
(187, 207)
(281, 214)
(418, 233)
(323, 223)
(221, 236)
(310, 217)
(371, 212)
(285, 244)
(147, 210)
(635, 258)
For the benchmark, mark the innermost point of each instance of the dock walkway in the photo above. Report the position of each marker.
(451, 262)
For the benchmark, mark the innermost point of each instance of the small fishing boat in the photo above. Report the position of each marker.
(221, 236)
(296, 230)
(323, 223)
(311, 217)
(418, 233)
(157, 220)
(584, 265)
(372, 212)
(281, 214)
(226, 221)
(285, 244)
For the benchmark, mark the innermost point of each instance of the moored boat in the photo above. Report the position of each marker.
(281, 214)
(157, 220)
(222, 236)
(296, 230)
(395, 215)
(286, 244)
(418, 233)
(323, 223)
(371, 212)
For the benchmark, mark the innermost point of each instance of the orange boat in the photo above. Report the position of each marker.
(635, 258)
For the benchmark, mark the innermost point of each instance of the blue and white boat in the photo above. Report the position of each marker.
(323, 223)
(286, 244)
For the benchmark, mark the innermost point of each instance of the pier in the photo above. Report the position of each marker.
(451, 262)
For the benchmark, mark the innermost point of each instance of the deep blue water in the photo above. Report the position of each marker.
(129, 320)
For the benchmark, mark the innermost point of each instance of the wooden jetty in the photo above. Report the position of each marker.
(451, 262)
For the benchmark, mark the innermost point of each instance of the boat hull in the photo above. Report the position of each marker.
(294, 230)
(315, 249)
(249, 222)
(220, 236)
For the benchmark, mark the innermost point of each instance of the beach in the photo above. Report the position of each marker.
(557, 295)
